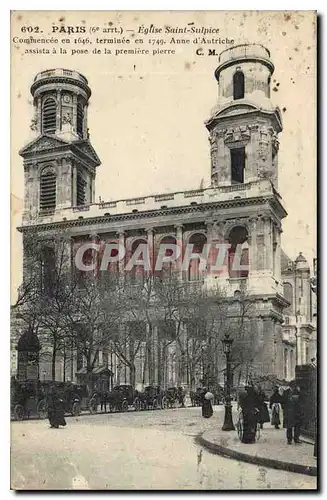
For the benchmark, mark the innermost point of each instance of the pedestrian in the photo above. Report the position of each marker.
(293, 413)
(248, 401)
(262, 406)
(181, 396)
(103, 400)
(56, 412)
(207, 410)
(275, 405)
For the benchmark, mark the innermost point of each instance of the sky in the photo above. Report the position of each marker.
(146, 113)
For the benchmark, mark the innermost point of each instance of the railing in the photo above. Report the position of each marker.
(81, 208)
(108, 204)
(135, 201)
(190, 194)
(181, 198)
(244, 50)
(60, 72)
(164, 197)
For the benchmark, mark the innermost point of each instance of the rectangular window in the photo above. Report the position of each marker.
(237, 165)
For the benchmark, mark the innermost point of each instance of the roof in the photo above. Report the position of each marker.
(28, 342)
(300, 258)
(99, 370)
(286, 263)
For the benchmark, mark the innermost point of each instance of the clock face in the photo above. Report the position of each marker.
(67, 98)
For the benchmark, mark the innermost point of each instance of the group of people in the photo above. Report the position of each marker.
(289, 400)
(253, 402)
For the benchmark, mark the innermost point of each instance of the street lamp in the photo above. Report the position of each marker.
(228, 421)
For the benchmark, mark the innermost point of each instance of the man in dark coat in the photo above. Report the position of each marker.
(293, 413)
(249, 403)
(56, 412)
(262, 407)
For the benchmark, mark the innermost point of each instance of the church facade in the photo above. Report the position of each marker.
(242, 208)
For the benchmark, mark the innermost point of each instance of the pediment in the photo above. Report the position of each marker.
(87, 149)
(43, 143)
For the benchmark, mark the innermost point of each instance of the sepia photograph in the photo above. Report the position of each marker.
(163, 251)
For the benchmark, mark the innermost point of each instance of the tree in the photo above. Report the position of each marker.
(94, 315)
(242, 328)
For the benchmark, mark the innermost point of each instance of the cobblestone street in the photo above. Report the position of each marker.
(144, 450)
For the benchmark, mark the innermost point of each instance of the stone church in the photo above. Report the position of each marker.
(242, 206)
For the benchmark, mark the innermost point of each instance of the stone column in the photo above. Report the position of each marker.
(74, 184)
(269, 351)
(150, 241)
(210, 255)
(74, 123)
(58, 114)
(93, 189)
(121, 264)
(155, 353)
(278, 254)
(85, 136)
(253, 244)
(95, 239)
(179, 241)
(39, 115)
(268, 243)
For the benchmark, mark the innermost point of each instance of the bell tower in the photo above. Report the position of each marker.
(244, 126)
(60, 163)
(243, 134)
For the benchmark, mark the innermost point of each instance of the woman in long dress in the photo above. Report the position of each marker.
(249, 404)
(56, 412)
(263, 410)
(275, 405)
(207, 410)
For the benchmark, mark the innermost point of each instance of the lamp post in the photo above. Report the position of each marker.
(228, 421)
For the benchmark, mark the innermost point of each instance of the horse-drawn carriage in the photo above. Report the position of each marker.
(196, 396)
(172, 398)
(121, 397)
(27, 400)
(31, 399)
(150, 398)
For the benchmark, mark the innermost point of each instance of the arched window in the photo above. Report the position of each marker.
(49, 116)
(238, 254)
(288, 294)
(47, 191)
(168, 268)
(238, 85)
(137, 271)
(80, 117)
(194, 270)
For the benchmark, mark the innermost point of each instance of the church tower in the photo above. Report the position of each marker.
(243, 134)
(244, 126)
(60, 163)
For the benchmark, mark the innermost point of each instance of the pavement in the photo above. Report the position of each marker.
(150, 450)
(271, 450)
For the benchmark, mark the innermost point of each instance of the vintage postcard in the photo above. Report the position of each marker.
(163, 250)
